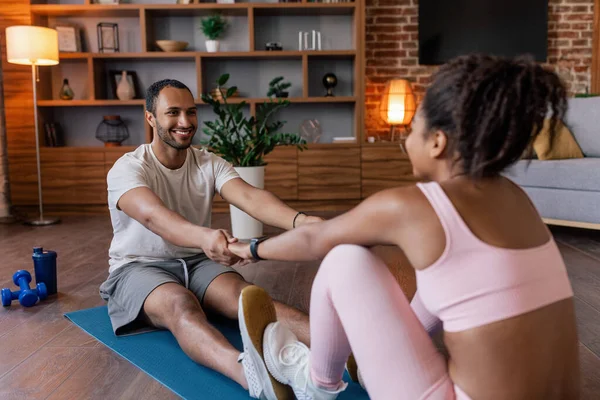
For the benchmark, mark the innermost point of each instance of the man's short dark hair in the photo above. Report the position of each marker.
(154, 90)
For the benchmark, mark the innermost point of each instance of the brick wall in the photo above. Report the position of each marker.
(392, 49)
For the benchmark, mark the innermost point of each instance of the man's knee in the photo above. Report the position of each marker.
(167, 307)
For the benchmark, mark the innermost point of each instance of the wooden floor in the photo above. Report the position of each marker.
(43, 356)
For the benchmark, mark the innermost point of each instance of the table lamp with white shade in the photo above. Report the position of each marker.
(35, 46)
(398, 105)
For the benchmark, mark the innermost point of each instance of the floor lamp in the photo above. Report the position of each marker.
(35, 46)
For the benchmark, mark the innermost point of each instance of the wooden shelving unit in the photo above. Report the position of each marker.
(88, 69)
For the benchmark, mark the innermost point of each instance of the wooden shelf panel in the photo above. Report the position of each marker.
(303, 8)
(123, 10)
(92, 10)
(340, 99)
(141, 102)
(222, 54)
(89, 103)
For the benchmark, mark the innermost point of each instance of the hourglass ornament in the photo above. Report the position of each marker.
(112, 131)
(329, 81)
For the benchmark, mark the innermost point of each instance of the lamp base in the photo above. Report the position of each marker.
(43, 221)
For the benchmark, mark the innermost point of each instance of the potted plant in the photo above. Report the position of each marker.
(277, 87)
(244, 142)
(213, 27)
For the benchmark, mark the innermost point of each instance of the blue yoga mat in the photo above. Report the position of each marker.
(158, 354)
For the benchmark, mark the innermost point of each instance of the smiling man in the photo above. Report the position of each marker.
(168, 267)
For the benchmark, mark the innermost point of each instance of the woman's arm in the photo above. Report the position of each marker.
(374, 221)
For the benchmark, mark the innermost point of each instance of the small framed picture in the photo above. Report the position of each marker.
(108, 37)
(115, 79)
(69, 38)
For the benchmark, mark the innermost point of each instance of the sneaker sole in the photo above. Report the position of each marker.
(256, 311)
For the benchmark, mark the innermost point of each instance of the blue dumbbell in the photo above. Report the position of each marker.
(27, 296)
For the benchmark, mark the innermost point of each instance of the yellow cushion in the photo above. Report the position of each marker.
(564, 145)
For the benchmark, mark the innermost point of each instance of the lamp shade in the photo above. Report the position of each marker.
(398, 103)
(28, 45)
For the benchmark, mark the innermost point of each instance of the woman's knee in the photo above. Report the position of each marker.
(345, 264)
(347, 257)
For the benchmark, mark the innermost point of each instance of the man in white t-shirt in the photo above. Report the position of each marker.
(168, 268)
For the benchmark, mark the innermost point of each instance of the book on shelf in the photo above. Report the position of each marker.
(53, 134)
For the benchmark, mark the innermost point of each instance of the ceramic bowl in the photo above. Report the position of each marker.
(171, 45)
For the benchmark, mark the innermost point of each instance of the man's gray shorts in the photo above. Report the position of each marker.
(127, 288)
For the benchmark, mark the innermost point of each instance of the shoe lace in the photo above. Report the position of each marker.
(296, 354)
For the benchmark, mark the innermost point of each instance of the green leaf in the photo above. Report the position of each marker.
(231, 91)
(223, 79)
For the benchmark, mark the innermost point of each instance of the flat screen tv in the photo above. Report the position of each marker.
(449, 28)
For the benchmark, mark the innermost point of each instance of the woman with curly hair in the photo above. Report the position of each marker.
(488, 270)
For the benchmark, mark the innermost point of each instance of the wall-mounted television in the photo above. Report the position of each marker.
(449, 28)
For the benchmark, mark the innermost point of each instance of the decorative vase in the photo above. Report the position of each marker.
(66, 93)
(244, 226)
(125, 90)
(212, 46)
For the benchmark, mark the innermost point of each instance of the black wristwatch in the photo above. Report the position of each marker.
(254, 247)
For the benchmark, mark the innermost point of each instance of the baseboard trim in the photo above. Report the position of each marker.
(571, 224)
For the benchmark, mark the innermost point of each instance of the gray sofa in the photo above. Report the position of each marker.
(567, 192)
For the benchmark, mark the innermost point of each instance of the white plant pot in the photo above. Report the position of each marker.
(244, 226)
(212, 46)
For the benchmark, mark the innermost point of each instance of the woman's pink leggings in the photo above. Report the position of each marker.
(357, 306)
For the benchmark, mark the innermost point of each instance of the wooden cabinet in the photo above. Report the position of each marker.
(72, 176)
(314, 179)
(329, 173)
(384, 167)
(281, 173)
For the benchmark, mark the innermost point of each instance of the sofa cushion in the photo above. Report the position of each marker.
(575, 174)
(583, 119)
(564, 145)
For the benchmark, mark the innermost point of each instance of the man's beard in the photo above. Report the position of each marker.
(168, 138)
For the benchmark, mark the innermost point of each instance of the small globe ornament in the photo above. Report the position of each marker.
(112, 131)
(329, 81)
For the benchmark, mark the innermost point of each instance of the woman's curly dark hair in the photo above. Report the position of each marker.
(492, 109)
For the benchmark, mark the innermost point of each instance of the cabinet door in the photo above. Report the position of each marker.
(329, 173)
(73, 176)
(281, 172)
(384, 167)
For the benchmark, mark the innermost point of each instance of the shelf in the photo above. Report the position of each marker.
(222, 54)
(124, 10)
(92, 10)
(235, 100)
(89, 103)
(340, 99)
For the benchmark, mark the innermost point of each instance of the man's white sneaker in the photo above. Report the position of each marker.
(256, 311)
(288, 361)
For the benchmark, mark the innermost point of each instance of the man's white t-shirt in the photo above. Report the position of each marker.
(188, 191)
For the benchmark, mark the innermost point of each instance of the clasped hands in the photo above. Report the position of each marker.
(225, 249)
